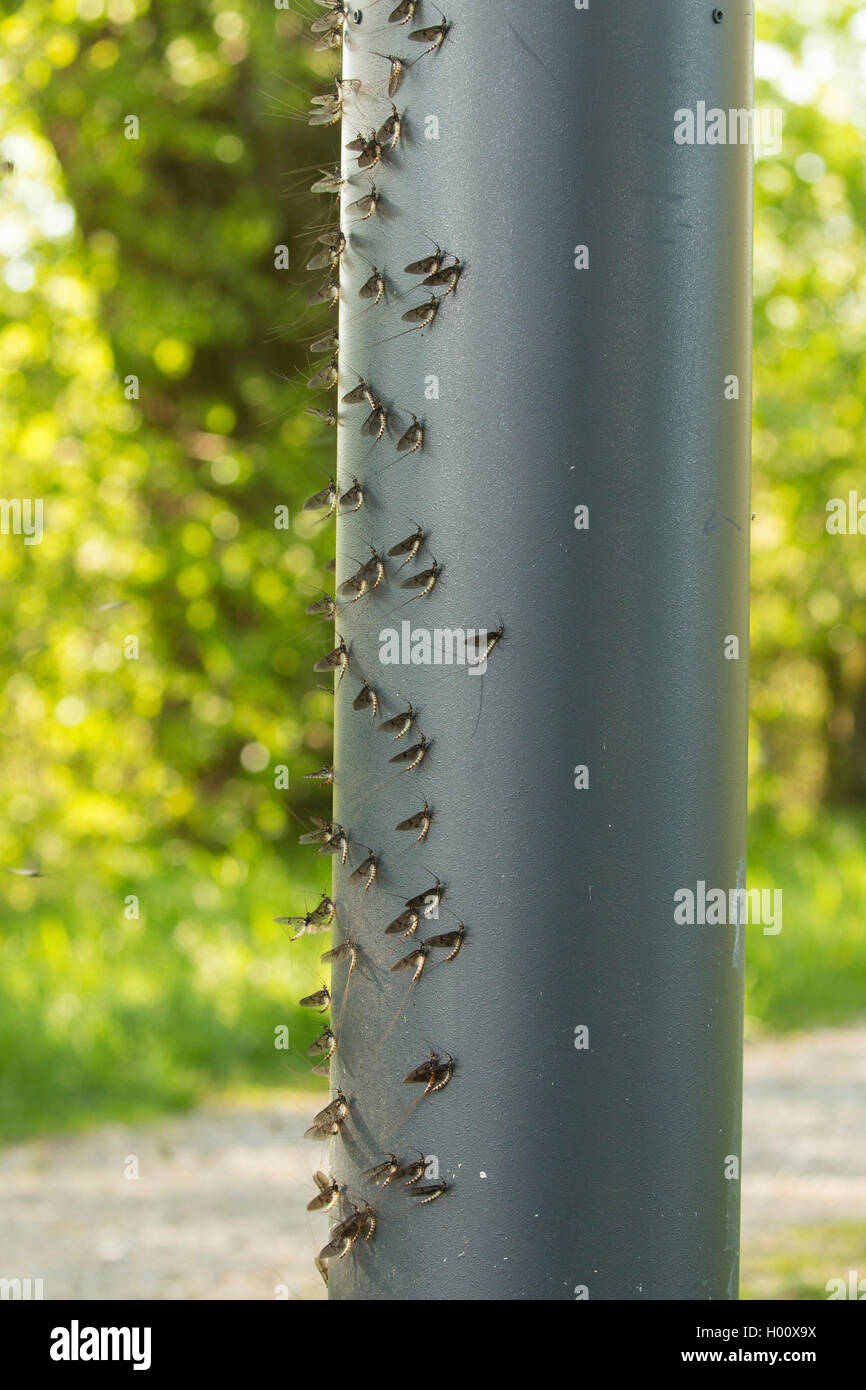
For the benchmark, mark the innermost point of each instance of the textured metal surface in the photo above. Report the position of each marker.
(601, 1168)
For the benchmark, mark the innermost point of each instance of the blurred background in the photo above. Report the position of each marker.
(142, 973)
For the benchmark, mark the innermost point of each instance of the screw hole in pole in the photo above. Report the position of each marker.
(718, 16)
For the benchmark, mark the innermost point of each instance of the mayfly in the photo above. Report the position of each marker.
(490, 640)
(328, 294)
(399, 725)
(408, 548)
(423, 314)
(362, 1222)
(323, 607)
(420, 821)
(330, 182)
(382, 1173)
(366, 871)
(376, 422)
(427, 904)
(368, 150)
(337, 844)
(446, 278)
(428, 265)
(324, 1046)
(347, 950)
(411, 757)
(423, 581)
(430, 1192)
(355, 586)
(329, 343)
(325, 774)
(336, 660)
(324, 830)
(326, 498)
(329, 1190)
(404, 12)
(404, 925)
(415, 961)
(389, 132)
(373, 288)
(328, 417)
(336, 1109)
(433, 34)
(410, 1173)
(326, 378)
(319, 1001)
(450, 941)
(334, 19)
(396, 74)
(366, 698)
(364, 208)
(308, 923)
(335, 245)
(412, 439)
(353, 500)
(434, 1074)
(359, 394)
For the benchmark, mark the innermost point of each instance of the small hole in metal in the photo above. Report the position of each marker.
(718, 16)
(357, 16)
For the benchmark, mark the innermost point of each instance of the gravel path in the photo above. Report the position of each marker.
(218, 1208)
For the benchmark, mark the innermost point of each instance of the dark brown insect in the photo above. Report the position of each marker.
(396, 74)
(323, 607)
(409, 547)
(430, 1192)
(450, 941)
(359, 394)
(404, 925)
(446, 278)
(320, 1001)
(325, 1045)
(366, 698)
(382, 1172)
(323, 831)
(376, 421)
(411, 757)
(362, 1223)
(412, 439)
(323, 260)
(329, 1190)
(356, 585)
(337, 844)
(389, 132)
(326, 377)
(336, 1109)
(400, 724)
(428, 265)
(353, 500)
(336, 660)
(373, 288)
(328, 294)
(423, 581)
(410, 1173)
(366, 871)
(415, 961)
(422, 314)
(325, 774)
(347, 950)
(404, 12)
(324, 1131)
(434, 1074)
(433, 35)
(420, 822)
(428, 903)
(326, 498)
(364, 208)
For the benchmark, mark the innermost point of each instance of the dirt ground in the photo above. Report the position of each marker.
(220, 1189)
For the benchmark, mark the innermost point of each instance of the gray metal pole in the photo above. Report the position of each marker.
(597, 1163)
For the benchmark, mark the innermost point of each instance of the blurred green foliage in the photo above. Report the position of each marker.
(154, 775)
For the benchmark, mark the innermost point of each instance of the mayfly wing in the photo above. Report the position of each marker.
(373, 288)
(404, 12)
(414, 961)
(428, 265)
(320, 1000)
(324, 912)
(382, 1172)
(366, 698)
(420, 821)
(426, 902)
(450, 941)
(326, 377)
(323, 607)
(422, 1074)
(366, 871)
(364, 208)
(445, 278)
(353, 500)
(422, 314)
(411, 757)
(389, 132)
(325, 1045)
(413, 437)
(409, 547)
(430, 1191)
(404, 925)
(423, 581)
(400, 724)
(326, 498)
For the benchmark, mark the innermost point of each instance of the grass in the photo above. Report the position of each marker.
(106, 1018)
(802, 1260)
